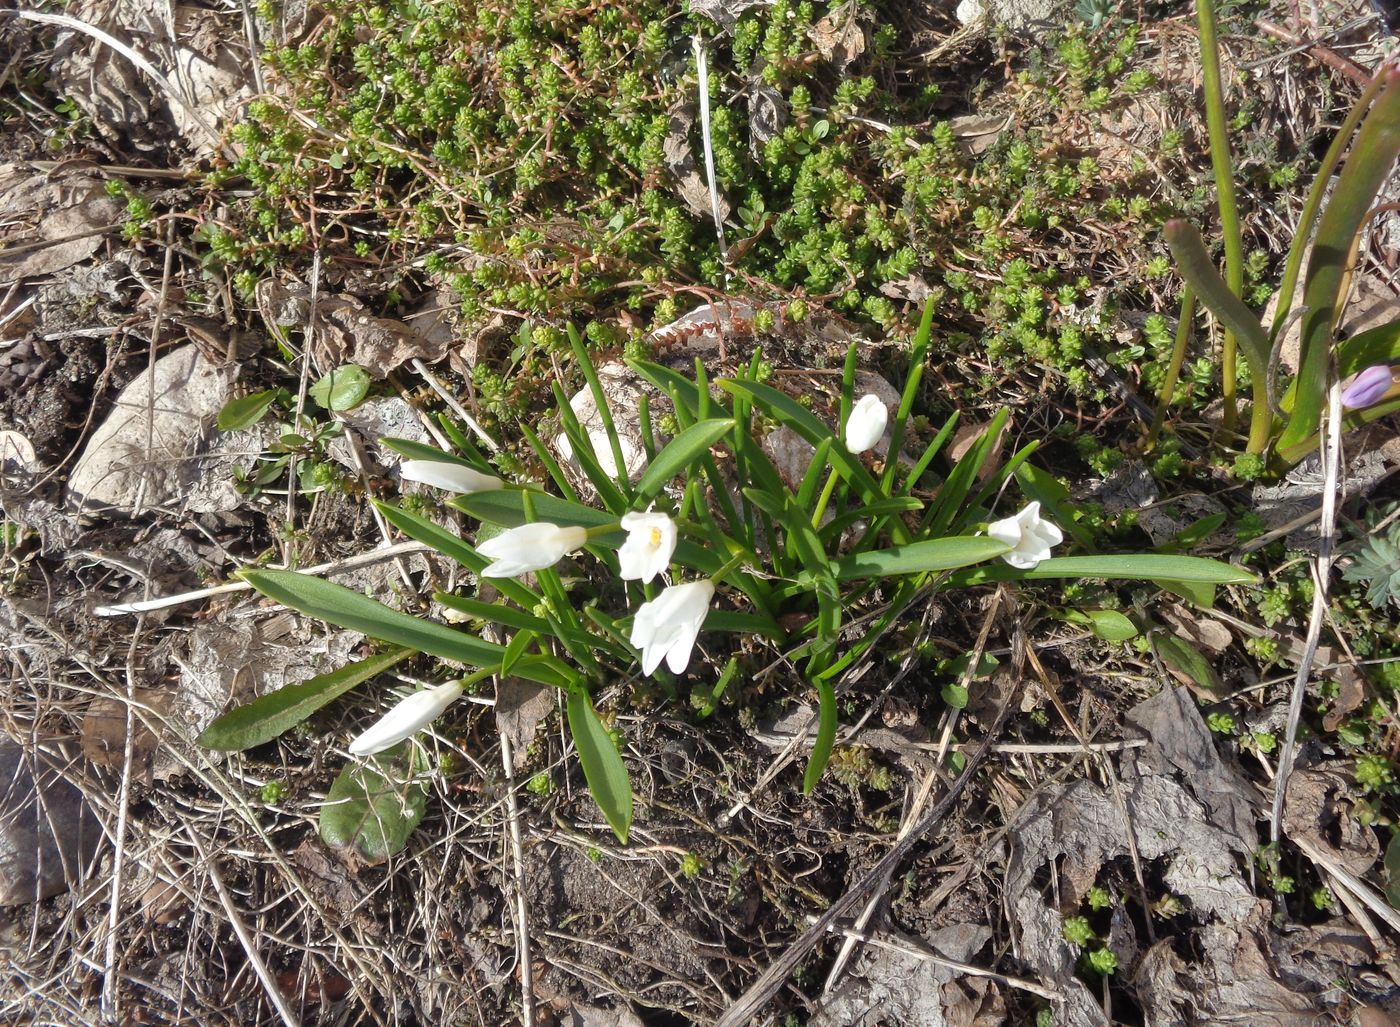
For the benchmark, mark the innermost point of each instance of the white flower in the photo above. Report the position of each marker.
(866, 425)
(651, 539)
(530, 547)
(407, 718)
(1030, 537)
(666, 627)
(449, 475)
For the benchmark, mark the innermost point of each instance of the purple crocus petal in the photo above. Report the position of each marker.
(1367, 387)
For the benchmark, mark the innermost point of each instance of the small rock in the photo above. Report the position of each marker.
(48, 833)
(622, 390)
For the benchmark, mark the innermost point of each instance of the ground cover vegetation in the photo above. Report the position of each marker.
(839, 492)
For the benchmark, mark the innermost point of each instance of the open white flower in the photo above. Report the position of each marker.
(1029, 535)
(866, 425)
(407, 718)
(651, 539)
(530, 547)
(666, 627)
(448, 475)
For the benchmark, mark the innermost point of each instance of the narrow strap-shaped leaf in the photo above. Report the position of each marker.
(918, 351)
(816, 471)
(679, 387)
(497, 613)
(414, 450)
(515, 649)
(930, 451)
(1143, 567)
(826, 735)
(1053, 498)
(582, 445)
(744, 624)
(338, 605)
(448, 544)
(875, 512)
(939, 554)
(679, 455)
(995, 481)
(269, 715)
(1369, 166)
(551, 465)
(603, 768)
(944, 511)
(600, 401)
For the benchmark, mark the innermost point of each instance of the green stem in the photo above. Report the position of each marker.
(1183, 338)
(1225, 190)
(825, 498)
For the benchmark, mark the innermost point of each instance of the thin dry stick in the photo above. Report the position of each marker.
(848, 946)
(255, 960)
(308, 345)
(451, 401)
(522, 909)
(1322, 571)
(107, 39)
(703, 73)
(1358, 888)
(110, 990)
(334, 567)
(768, 983)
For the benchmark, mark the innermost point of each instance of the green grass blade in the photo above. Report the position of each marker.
(338, 605)
(679, 455)
(269, 715)
(1143, 567)
(603, 768)
(826, 735)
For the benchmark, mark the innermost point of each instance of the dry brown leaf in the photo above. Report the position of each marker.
(839, 37)
(1318, 809)
(521, 706)
(50, 221)
(346, 333)
(104, 732)
(680, 161)
(141, 454)
(1205, 631)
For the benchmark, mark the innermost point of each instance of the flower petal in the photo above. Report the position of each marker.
(407, 718)
(448, 475)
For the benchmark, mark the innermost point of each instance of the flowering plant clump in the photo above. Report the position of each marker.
(687, 555)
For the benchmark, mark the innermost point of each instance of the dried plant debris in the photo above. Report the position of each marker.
(681, 162)
(189, 45)
(346, 333)
(894, 982)
(1192, 824)
(52, 220)
(48, 833)
(146, 452)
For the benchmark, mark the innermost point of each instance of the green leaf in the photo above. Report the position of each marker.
(876, 511)
(955, 696)
(1195, 592)
(345, 388)
(414, 450)
(786, 410)
(506, 507)
(269, 715)
(677, 385)
(1196, 267)
(1392, 869)
(371, 812)
(940, 554)
(246, 411)
(1193, 533)
(826, 735)
(1140, 567)
(1326, 283)
(1184, 658)
(1379, 345)
(942, 514)
(1110, 625)
(679, 455)
(338, 605)
(1054, 502)
(498, 613)
(603, 768)
(515, 649)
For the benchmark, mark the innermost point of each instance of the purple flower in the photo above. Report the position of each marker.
(1367, 387)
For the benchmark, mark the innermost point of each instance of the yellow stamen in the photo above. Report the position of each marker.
(656, 536)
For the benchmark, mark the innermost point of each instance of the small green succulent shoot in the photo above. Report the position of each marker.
(685, 556)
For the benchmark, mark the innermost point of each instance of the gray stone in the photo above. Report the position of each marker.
(48, 833)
